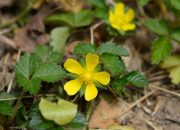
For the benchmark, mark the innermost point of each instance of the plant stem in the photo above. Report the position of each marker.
(89, 111)
(17, 104)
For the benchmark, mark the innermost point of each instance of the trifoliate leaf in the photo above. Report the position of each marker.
(118, 85)
(46, 54)
(97, 3)
(49, 72)
(84, 48)
(5, 108)
(172, 64)
(28, 85)
(157, 26)
(136, 79)
(143, 2)
(26, 65)
(82, 18)
(113, 63)
(61, 113)
(41, 52)
(59, 36)
(161, 49)
(175, 34)
(112, 48)
(54, 57)
(175, 4)
(100, 8)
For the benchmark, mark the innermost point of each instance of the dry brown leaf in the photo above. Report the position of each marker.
(106, 112)
(36, 23)
(6, 2)
(23, 40)
(133, 61)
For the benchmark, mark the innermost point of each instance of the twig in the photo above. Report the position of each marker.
(165, 90)
(11, 82)
(156, 74)
(157, 78)
(17, 104)
(152, 125)
(137, 102)
(5, 31)
(9, 42)
(89, 111)
(163, 8)
(75, 98)
(92, 28)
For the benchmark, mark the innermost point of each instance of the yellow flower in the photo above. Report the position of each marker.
(86, 76)
(121, 20)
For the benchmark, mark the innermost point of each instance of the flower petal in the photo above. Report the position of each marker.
(102, 77)
(91, 61)
(119, 9)
(73, 66)
(129, 16)
(129, 26)
(73, 86)
(90, 92)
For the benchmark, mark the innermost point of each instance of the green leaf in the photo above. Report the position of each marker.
(112, 48)
(111, 62)
(46, 54)
(175, 4)
(21, 117)
(41, 52)
(172, 63)
(97, 3)
(143, 2)
(161, 49)
(78, 122)
(37, 122)
(5, 108)
(175, 74)
(28, 85)
(136, 79)
(61, 113)
(157, 26)
(175, 34)
(100, 9)
(26, 65)
(49, 72)
(59, 37)
(54, 57)
(119, 84)
(84, 48)
(80, 19)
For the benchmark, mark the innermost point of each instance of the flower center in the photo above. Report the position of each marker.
(87, 76)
